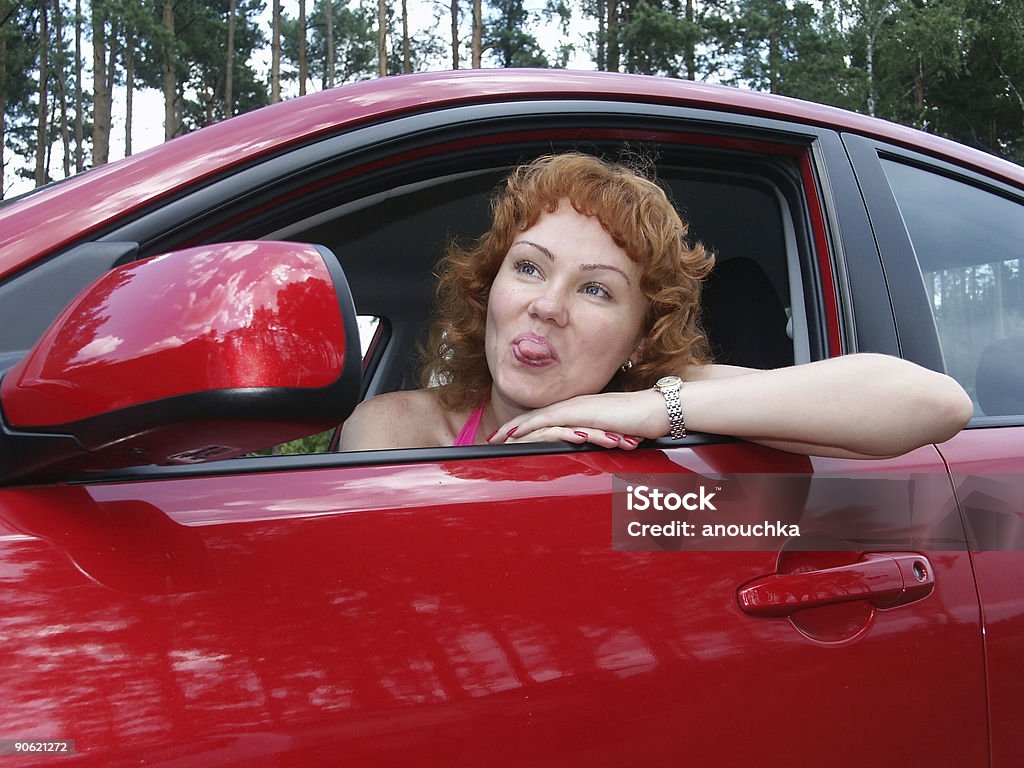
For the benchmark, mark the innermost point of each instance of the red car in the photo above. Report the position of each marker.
(171, 599)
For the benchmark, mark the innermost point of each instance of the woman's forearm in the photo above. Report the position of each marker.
(856, 406)
(866, 404)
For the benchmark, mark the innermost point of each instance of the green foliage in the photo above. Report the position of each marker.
(978, 96)
(201, 33)
(560, 10)
(951, 67)
(793, 49)
(507, 37)
(424, 45)
(20, 37)
(355, 42)
(653, 39)
(921, 52)
(19, 46)
(814, 66)
(318, 443)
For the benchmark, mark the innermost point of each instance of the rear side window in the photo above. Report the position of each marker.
(970, 246)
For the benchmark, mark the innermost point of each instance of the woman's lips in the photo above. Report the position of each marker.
(533, 350)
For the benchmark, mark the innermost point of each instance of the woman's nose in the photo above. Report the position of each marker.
(550, 306)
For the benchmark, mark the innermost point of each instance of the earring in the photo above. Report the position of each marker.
(626, 366)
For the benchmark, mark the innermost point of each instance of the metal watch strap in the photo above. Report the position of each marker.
(670, 388)
(675, 414)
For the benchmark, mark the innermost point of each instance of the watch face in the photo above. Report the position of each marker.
(669, 382)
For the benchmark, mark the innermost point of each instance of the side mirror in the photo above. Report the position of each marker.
(205, 353)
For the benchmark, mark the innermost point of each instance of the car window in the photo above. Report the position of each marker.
(389, 220)
(388, 243)
(970, 246)
(369, 326)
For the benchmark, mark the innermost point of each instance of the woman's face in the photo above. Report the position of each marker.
(564, 312)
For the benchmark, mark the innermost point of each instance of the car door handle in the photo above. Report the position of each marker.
(884, 580)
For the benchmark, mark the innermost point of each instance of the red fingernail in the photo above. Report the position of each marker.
(584, 435)
(611, 436)
(491, 435)
(512, 431)
(631, 440)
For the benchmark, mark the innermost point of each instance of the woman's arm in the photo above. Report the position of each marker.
(860, 406)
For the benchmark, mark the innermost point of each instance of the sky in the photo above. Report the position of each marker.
(148, 109)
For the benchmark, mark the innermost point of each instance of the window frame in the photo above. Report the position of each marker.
(807, 203)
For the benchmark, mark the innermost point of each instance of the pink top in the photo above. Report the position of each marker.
(467, 435)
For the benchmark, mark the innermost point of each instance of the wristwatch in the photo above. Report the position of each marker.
(670, 388)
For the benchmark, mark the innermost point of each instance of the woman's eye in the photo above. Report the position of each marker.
(594, 289)
(526, 268)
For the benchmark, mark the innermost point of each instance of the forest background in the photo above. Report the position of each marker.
(72, 69)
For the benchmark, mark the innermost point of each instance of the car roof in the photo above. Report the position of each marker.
(53, 217)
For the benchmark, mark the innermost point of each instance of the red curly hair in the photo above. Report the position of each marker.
(641, 220)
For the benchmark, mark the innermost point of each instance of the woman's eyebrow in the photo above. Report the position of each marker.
(590, 267)
(539, 247)
(583, 267)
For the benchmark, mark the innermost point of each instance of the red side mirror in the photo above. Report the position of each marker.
(200, 354)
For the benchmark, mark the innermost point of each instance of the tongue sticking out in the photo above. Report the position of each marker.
(532, 351)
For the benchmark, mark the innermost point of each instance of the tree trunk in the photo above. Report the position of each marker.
(100, 94)
(275, 55)
(48, 152)
(79, 93)
(330, 43)
(455, 34)
(601, 54)
(872, 16)
(382, 38)
(478, 35)
(229, 68)
(62, 90)
(919, 90)
(209, 103)
(113, 51)
(129, 90)
(871, 73)
(690, 55)
(44, 74)
(3, 109)
(170, 79)
(303, 63)
(406, 55)
(612, 26)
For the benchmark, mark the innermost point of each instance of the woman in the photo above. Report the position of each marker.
(583, 295)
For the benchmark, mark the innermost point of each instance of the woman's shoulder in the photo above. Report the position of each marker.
(407, 419)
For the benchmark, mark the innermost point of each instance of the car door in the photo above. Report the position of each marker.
(954, 239)
(474, 610)
(492, 605)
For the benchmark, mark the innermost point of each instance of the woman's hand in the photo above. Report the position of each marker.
(610, 420)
